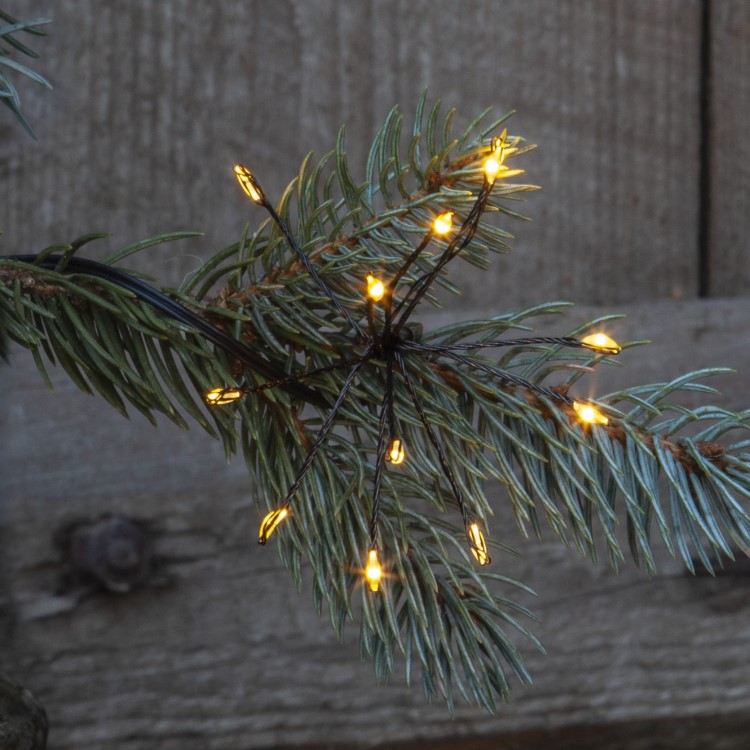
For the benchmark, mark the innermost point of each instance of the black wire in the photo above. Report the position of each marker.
(177, 311)
(510, 377)
(537, 340)
(292, 378)
(464, 236)
(389, 390)
(444, 465)
(309, 267)
(408, 262)
(384, 436)
(325, 429)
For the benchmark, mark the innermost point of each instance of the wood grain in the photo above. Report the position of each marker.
(729, 248)
(155, 101)
(153, 104)
(223, 653)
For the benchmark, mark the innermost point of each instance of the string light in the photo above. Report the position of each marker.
(589, 414)
(219, 396)
(384, 341)
(396, 452)
(443, 223)
(478, 544)
(491, 168)
(494, 161)
(248, 183)
(373, 571)
(385, 344)
(270, 522)
(252, 189)
(494, 165)
(375, 288)
(601, 343)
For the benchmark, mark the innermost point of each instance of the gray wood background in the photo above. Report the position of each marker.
(639, 108)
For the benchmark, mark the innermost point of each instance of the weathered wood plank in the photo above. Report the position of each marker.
(719, 732)
(154, 102)
(729, 154)
(227, 655)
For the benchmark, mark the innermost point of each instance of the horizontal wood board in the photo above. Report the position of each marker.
(155, 101)
(729, 153)
(227, 655)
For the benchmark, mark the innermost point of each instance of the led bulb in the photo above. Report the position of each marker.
(219, 396)
(373, 571)
(248, 183)
(396, 452)
(270, 522)
(443, 223)
(492, 167)
(375, 288)
(589, 414)
(494, 162)
(601, 343)
(478, 545)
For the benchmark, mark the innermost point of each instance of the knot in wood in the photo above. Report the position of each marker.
(115, 552)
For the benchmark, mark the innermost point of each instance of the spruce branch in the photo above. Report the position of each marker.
(9, 67)
(473, 403)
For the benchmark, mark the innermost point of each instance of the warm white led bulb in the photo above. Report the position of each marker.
(375, 288)
(247, 183)
(270, 522)
(478, 544)
(373, 571)
(396, 452)
(602, 343)
(220, 396)
(443, 223)
(492, 167)
(589, 414)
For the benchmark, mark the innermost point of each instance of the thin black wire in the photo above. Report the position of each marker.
(247, 389)
(384, 437)
(510, 377)
(309, 267)
(371, 315)
(325, 429)
(464, 235)
(408, 262)
(444, 465)
(440, 348)
(177, 311)
(389, 390)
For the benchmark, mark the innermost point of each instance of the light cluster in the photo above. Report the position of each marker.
(384, 339)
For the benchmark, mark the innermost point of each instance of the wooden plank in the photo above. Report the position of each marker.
(717, 732)
(225, 654)
(154, 102)
(729, 272)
